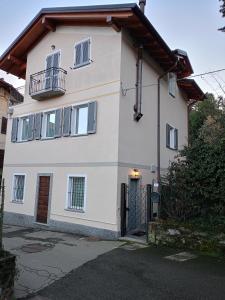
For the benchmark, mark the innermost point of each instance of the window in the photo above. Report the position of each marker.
(48, 129)
(23, 132)
(76, 193)
(172, 78)
(18, 188)
(82, 54)
(52, 72)
(79, 122)
(4, 125)
(171, 137)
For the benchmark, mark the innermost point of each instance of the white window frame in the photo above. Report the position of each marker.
(24, 188)
(20, 129)
(172, 89)
(44, 124)
(74, 129)
(172, 137)
(90, 54)
(83, 210)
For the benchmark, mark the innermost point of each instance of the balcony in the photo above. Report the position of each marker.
(47, 84)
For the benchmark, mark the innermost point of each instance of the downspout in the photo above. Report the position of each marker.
(137, 107)
(159, 120)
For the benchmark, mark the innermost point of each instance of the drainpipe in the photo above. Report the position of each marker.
(137, 107)
(158, 121)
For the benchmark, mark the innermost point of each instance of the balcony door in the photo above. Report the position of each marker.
(52, 72)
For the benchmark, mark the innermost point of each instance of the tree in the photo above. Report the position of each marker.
(209, 107)
(222, 10)
(194, 185)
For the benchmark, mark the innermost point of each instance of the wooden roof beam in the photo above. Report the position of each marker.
(112, 22)
(15, 60)
(48, 24)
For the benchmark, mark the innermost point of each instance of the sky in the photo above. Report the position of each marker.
(185, 24)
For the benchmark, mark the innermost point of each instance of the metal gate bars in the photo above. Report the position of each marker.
(135, 208)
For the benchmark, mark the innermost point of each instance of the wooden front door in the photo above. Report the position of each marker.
(43, 199)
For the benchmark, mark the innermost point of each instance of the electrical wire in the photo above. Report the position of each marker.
(210, 85)
(219, 84)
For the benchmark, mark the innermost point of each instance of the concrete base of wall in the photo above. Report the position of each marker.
(29, 221)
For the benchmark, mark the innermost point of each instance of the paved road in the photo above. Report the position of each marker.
(44, 256)
(141, 274)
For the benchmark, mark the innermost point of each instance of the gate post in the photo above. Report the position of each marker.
(123, 209)
(149, 209)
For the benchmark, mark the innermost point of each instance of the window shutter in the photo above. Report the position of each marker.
(48, 74)
(67, 120)
(168, 135)
(31, 128)
(37, 126)
(86, 52)
(176, 139)
(78, 58)
(58, 123)
(92, 117)
(14, 129)
(4, 125)
(56, 57)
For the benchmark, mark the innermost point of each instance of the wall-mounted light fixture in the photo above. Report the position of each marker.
(53, 47)
(135, 174)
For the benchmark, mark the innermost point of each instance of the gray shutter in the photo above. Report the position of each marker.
(67, 120)
(168, 135)
(86, 52)
(92, 117)
(31, 128)
(14, 129)
(55, 72)
(78, 58)
(37, 126)
(58, 123)
(48, 74)
(176, 139)
(56, 59)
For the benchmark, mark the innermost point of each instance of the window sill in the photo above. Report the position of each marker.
(173, 149)
(76, 135)
(75, 210)
(17, 202)
(80, 66)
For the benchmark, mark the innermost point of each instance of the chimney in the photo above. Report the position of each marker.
(142, 4)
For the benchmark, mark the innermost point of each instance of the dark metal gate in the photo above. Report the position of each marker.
(135, 208)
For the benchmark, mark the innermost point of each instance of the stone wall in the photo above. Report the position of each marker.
(181, 237)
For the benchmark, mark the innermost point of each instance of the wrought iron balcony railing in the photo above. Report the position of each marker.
(48, 83)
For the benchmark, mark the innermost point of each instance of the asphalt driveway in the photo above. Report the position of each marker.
(44, 256)
(147, 273)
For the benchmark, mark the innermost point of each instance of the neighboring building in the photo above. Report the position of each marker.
(8, 96)
(78, 136)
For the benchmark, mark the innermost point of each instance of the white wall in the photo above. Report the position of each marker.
(94, 155)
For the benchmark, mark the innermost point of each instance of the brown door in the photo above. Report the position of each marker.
(43, 197)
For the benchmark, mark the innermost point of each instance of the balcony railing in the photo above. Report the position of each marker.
(48, 83)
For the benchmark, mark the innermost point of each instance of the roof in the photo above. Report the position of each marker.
(15, 96)
(191, 88)
(127, 16)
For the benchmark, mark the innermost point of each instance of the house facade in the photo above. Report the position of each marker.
(77, 136)
(9, 96)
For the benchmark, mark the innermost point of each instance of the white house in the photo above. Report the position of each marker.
(90, 116)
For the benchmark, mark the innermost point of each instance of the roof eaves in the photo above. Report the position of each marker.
(68, 9)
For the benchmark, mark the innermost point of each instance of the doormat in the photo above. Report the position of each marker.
(139, 233)
(181, 257)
